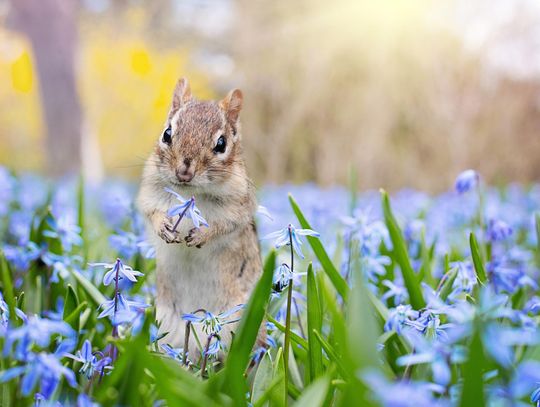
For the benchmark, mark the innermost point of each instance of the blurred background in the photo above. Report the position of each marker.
(406, 92)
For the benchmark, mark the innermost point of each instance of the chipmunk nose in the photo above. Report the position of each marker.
(185, 173)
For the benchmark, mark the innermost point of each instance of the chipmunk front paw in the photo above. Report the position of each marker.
(166, 231)
(196, 237)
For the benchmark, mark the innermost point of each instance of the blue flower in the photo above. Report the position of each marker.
(126, 243)
(212, 324)
(262, 210)
(466, 181)
(398, 318)
(21, 256)
(176, 354)
(4, 315)
(500, 340)
(535, 396)
(509, 275)
(121, 310)
(83, 400)
(374, 266)
(429, 324)
(437, 354)
(186, 208)
(91, 362)
(61, 264)
(284, 237)
(398, 292)
(7, 183)
(498, 230)
(44, 368)
(404, 393)
(117, 270)
(282, 277)
(65, 230)
(465, 278)
(36, 331)
(214, 347)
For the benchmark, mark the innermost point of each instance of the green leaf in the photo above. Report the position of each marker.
(270, 391)
(278, 396)
(332, 354)
(477, 259)
(7, 286)
(472, 393)
(315, 394)
(20, 300)
(363, 330)
(294, 337)
(238, 358)
(90, 288)
(81, 213)
(71, 302)
(446, 288)
(263, 378)
(314, 323)
(401, 256)
(378, 305)
(75, 316)
(537, 223)
(329, 298)
(339, 282)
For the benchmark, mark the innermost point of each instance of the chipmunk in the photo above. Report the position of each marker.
(199, 154)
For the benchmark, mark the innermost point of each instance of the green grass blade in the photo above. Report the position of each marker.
(363, 330)
(380, 308)
(7, 286)
(81, 214)
(401, 256)
(472, 393)
(537, 224)
(294, 337)
(446, 288)
(477, 259)
(238, 358)
(263, 378)
(314, 322)
(269, 391)
(278, 396)
(74, 317)
(332, 354)
(315, 394)
(90, 288)
(339, 282)
(71, 302)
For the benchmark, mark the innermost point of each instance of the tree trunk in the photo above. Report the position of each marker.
(51, 27)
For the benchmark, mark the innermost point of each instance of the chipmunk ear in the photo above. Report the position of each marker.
(232, 104)
(181, 95)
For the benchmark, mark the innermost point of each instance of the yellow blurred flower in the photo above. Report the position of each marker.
(21, 73)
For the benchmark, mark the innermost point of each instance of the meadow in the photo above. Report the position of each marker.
(366, 299)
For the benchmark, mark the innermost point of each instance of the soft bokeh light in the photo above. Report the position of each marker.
(407, 93)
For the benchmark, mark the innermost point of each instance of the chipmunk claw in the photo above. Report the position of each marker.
(167, 234)
(195, 237)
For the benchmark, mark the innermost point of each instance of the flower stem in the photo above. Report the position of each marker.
(288, 322)
(186, 343)
(113, 351)
(297, 310)
(205, 359)
(182, 215)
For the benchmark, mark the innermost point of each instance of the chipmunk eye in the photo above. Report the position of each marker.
(220, 145)
(167, 137)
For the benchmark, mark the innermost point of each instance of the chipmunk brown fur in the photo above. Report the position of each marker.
(214, 268)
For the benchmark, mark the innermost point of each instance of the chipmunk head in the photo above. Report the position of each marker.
(200, 144)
